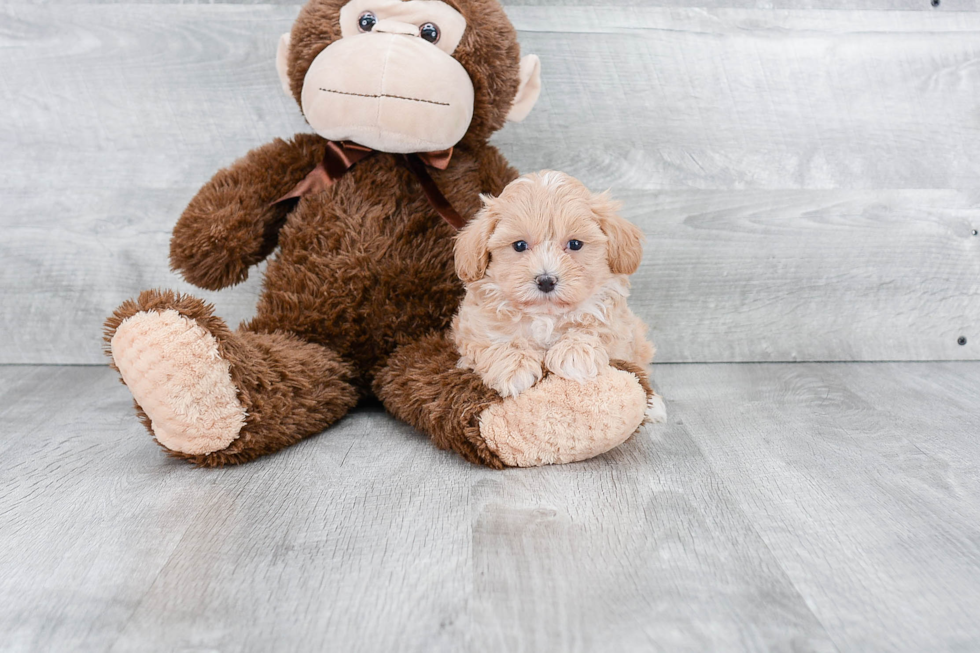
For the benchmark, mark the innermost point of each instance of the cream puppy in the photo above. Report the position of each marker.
(546, 269)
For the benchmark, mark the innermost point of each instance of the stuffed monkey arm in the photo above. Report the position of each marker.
(231, 224)
(495, 171)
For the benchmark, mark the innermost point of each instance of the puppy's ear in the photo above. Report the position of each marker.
(625, 248)
(472, 255)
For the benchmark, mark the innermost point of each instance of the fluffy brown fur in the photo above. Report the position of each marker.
(422, 386)
(232, 223)
(363, 285)
(289, 388)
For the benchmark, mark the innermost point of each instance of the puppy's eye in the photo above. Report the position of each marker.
(367, 21)
(520, 246)
(575, 245)
(429, 32)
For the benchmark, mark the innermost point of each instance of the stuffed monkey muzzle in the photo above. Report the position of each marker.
(390, 92)
(391, 83)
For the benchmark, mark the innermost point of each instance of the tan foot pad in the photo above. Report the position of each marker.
(561, 421)
(173, 368)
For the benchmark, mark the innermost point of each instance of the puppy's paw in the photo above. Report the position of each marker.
(514, 373)
(576, 360)
(656, 412)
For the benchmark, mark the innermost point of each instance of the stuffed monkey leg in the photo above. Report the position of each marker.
(215, 397)
(421, 385)
(556, 421)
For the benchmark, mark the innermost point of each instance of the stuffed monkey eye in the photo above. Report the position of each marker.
(520, 246)
(367, 21)
(575, 245)
(430, 32)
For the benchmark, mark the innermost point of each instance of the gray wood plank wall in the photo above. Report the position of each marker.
(806, 178)
(884, 5)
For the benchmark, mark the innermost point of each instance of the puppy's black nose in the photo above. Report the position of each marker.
(546, 283)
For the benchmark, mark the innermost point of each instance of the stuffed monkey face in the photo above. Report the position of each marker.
(394, 81)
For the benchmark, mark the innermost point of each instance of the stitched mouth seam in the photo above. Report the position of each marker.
(396, 97)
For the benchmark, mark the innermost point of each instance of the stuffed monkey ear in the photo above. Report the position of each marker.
(625, 246)
(529, 89)
(472, 254)
(282, 63)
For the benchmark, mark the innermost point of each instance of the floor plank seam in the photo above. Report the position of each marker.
(149, 587)
(734, 498)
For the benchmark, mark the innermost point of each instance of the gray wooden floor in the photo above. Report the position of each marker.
(787, 507)
(806, 172)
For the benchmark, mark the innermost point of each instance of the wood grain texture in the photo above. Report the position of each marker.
(75, 255)
(730, 99)
(806, 178)
(863, 481)
(795, 5)
(367, 538)
(796, 507)
(727, 275)
(634, 97)
(809, 275)
(881, 5)
(81, 537)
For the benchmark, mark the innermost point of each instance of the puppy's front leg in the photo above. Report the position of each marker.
(508, 369)
(577, 356)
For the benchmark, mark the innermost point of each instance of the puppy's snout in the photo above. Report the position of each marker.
(546, 283)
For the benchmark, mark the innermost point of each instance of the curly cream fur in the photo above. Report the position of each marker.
(508, 330)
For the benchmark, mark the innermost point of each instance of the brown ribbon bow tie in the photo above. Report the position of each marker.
(342, 156)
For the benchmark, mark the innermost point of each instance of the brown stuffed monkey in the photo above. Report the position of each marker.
(403, 97)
